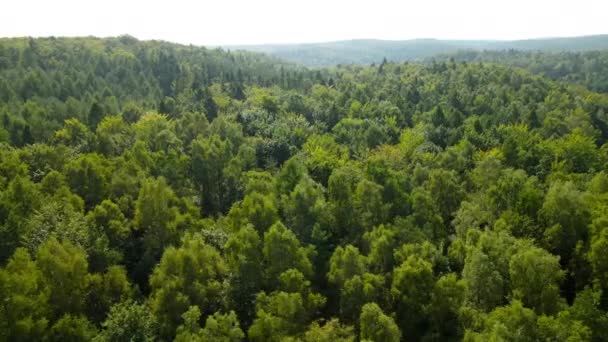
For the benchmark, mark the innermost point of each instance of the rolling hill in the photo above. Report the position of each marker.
(365, 51)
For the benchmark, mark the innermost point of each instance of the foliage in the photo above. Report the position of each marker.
(151, 192)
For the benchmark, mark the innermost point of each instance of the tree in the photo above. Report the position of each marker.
(95, 115)
(277, 317)
(344, 264)
(72, 328)
(60, 219)
(381, 242)
(369, 206)
(210, 156)
(75, 134)
(376, 326)
(256, 209)
(105, 290)
(219, 327)
(88, 177)
(18, 202)
(156, 132)
(192, 274)
(24, 311)
(485, 284)
(341, 196)
(190, 125)
(463, 199)
(108, 237)
(131, 112)
(191, 329)
(597, 256)
(586, 309)
(113, 136)
(155, 215)
(282, 251)
(358, 291)
(509, 323)
(535, 278)
(290, 175)
(307, 212)
(323, 155)
(411, 291)
(446, 192)
(128, 322)
(222, 328)
(566, 214)
(446, 300)
(287, 311)
(563, 328)
(64, 269)
(486, 268)
(243, 253)
(331, 331)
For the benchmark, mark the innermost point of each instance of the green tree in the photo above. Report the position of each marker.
(218, 327)
(25, 310)
(155, 215)
(508, 323)
(17, 203)
(222, 328)
(113, 136)
(331, 331)
(446, 300)
(192, 274)
(345, 263)
(323, 155)
(88, 178)
(369, 206)
(72, 328)
(128, 322)
(105, 290)
(282, 251)
(563, 328)
(75, 134)
(210, 156)
(64, 268)
(411, 291)
(287, 311)
(307, 212)
(485, 284)
(358, 291)
(535, 278)
(376, 326)
(243, 252)
(256, 209)
(566, 214)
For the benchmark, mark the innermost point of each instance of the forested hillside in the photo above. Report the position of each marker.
(368, 51)
(588, 69)
(158, 192)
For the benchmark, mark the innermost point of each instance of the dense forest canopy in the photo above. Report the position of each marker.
(367, 51)
(157, 192)
(588, 69)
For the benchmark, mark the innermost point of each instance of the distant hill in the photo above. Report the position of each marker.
(373, 51)
(585, 68)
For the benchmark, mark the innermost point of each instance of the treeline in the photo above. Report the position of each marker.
(397, 202)
(46, 81)
(587, 69)
(368, 51)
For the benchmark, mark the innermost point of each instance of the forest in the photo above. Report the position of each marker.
(152, 191)
(368, 51)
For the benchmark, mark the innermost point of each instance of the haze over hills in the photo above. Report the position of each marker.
(366, 51)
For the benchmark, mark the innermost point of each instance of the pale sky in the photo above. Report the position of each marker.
(229, 22)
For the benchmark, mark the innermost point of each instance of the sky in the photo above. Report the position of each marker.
(237, 22)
